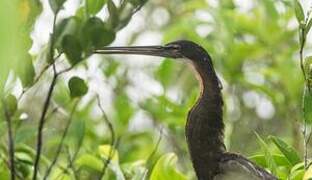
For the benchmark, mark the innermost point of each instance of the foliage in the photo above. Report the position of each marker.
(62, 85)
(164, 168)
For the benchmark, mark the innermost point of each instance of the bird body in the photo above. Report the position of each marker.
(204, 127)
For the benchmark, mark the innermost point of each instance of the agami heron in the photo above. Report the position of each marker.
(204, 127)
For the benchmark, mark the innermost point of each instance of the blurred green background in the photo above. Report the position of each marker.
(254, 47)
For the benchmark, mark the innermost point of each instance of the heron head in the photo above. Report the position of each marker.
(189, 50)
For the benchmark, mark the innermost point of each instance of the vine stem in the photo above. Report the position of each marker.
(61, 144)
(113, 143)
(46, 103)
(306, 87)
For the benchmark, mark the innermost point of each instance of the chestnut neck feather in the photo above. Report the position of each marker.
(204, 128)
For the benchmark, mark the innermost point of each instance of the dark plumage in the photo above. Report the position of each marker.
(204, 127)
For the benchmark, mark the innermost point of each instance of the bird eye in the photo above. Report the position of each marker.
(173, 46)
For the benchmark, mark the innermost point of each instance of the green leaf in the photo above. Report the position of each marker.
(25, 134)
(79, 130)
(307, 63)
(27, 71)
(95, 35)
(24, 169)
(89, 161)
(68, 26)
(24, 157)
(94, 6)
(279, 159)
(106, 150)
(124, 109)
(165, 71)
(287, 150)
(165, 168)
(308, 26)
(112, 9)
(77, 87)
(31, 152)
(56, 5)
(113, 14)
(137, 2)
(4, 171)
(268, 156)
(308, 174)
(269, 6)
(95, 163)
(111, 68)
(81, 12)
(10, 103)
(72, 49)
(297, 175)
(308, 70)
(299, 12)
(299, 166)
(307, 106)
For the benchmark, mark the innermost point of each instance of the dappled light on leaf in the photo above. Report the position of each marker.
(106, 151)
(165, 168)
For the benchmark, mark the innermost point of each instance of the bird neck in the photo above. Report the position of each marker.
(204, 128)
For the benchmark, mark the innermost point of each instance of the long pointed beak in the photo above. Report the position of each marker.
(162, 51)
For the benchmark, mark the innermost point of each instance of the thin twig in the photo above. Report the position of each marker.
(72, 159)
(54, 110)
(66, 70)
(10, 139)
(113, 138)
(301, 56)
(41, 125)
(46, 103)
(60, 146)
